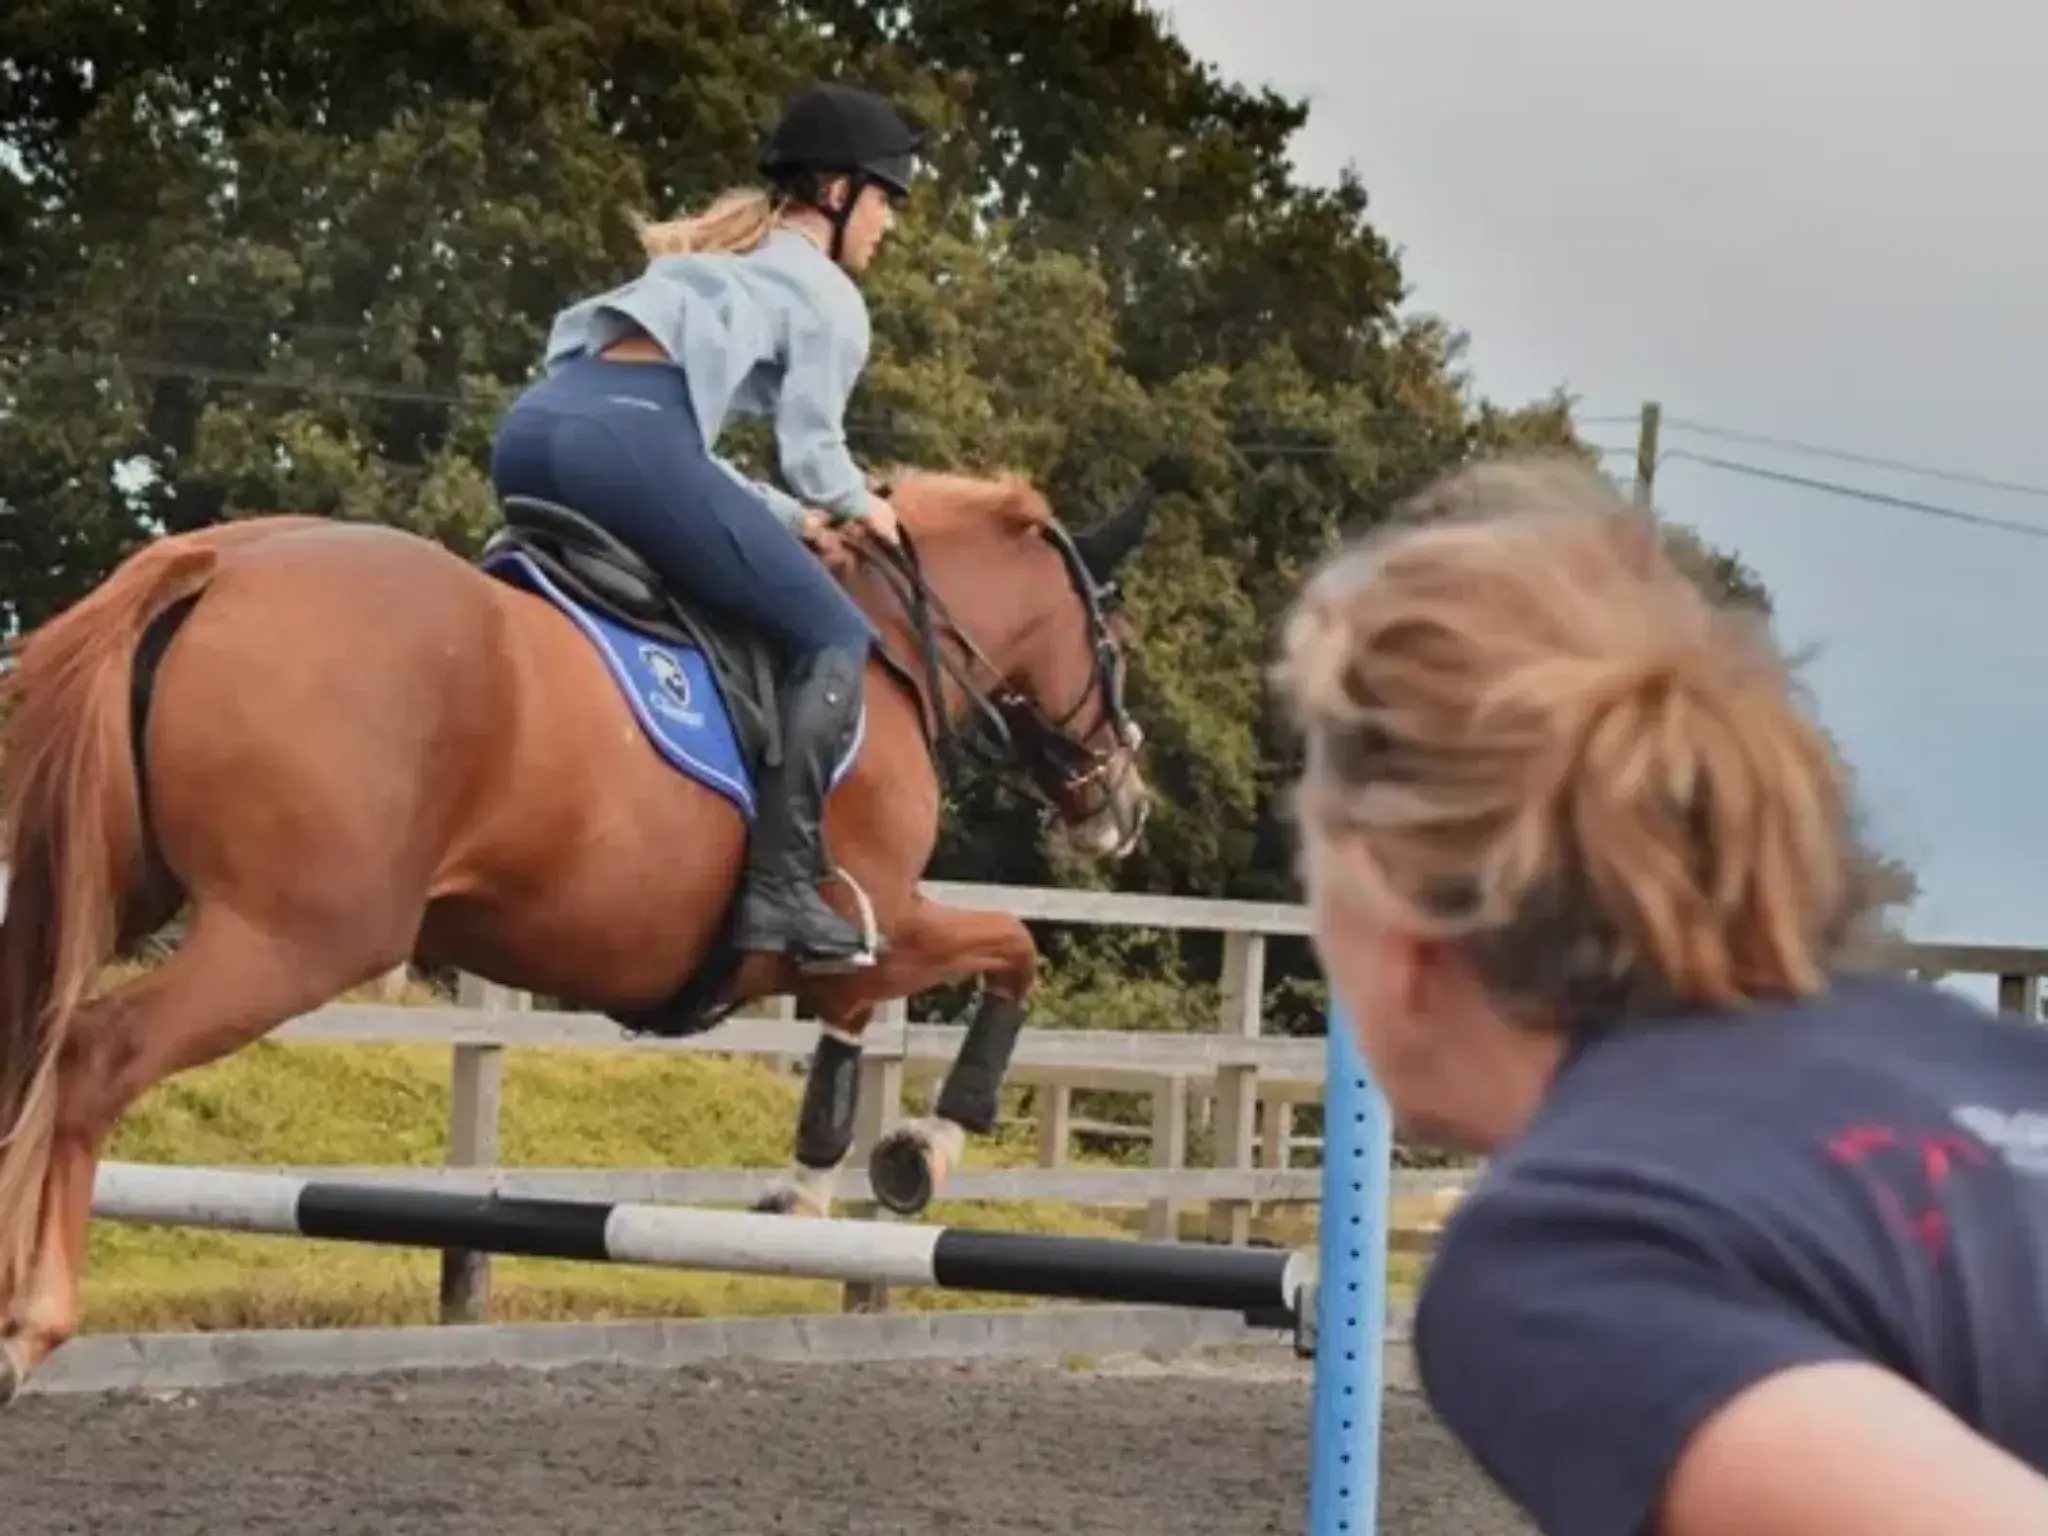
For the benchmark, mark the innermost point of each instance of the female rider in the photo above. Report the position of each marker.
(746, 309)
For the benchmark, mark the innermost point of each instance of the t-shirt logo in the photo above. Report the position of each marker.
(1909, 1175)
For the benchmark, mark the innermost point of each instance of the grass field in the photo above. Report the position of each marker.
(341, 1104)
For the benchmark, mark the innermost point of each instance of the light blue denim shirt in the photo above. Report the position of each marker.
(779, 332)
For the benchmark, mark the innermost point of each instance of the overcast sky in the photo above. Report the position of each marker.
(1824, 221)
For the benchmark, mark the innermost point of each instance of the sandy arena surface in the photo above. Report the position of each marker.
(1137, 1448)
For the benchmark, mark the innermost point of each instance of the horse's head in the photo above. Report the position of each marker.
(1037, 612)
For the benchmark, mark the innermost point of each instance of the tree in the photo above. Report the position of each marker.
(297, 255)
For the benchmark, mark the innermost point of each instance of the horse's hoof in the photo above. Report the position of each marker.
(788, 1202)
(900, 1172)
(10, 1380)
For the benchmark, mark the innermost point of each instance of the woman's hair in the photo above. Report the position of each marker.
(1539, 739)
(738, 221)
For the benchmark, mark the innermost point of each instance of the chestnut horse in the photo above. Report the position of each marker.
(338, 746)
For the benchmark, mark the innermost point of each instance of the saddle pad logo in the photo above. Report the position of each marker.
(671, 693)
(669, 687)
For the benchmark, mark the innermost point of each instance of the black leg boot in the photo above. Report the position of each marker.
(782, 910)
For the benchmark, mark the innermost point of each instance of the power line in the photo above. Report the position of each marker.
(1824, 451)
(1858, 493)
(1871, 460)
(44, 304)
(368, 389)
(399, 394)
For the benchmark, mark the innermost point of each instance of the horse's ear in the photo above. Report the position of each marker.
(1105, 547)
(1170, 472)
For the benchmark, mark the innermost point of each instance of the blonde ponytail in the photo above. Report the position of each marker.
(1539, 739)
(738, 221)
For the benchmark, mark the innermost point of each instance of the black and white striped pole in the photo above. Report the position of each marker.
(1266, 1286)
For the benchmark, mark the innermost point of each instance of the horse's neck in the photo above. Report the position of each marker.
(954, 615)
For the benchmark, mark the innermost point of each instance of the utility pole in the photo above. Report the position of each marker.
(1646, 452)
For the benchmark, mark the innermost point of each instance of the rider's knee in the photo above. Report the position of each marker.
(845, 631)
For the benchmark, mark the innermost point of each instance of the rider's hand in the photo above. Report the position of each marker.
(881, 519)
(827, 540)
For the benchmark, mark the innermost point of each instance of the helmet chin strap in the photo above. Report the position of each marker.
(811, 195)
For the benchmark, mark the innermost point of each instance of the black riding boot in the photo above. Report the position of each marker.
(782, 911)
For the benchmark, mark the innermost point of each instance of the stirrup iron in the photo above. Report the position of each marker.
(869, 953)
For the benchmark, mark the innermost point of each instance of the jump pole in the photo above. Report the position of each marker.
(1266, 1286)
(1350, 1294)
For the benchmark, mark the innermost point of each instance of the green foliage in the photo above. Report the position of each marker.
(1124, 979)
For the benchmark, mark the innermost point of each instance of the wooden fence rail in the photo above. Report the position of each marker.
(1222, 1074)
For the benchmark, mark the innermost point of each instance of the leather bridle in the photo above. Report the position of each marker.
(1066, 773)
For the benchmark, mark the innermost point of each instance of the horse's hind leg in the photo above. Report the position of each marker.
(825, 1120)
(227, 985)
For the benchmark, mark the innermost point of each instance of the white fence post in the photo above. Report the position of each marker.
(476, 1075)
(881, 1106)
(1237, 1087)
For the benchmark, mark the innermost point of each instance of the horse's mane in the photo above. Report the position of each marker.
(933, 503)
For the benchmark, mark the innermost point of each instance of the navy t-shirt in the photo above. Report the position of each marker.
(1703, 1202)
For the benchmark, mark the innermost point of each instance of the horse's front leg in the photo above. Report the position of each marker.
(930, 947)
(908, 1166)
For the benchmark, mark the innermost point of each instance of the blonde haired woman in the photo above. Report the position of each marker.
(749, 308)
(1763, 1245)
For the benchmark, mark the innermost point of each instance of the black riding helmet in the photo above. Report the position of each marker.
(841, 130)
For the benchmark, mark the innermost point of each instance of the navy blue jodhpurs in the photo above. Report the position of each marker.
(619, 442)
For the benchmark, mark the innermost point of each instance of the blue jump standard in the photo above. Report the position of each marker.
(1350, 1300)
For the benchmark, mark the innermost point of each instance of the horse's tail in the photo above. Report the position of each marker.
(71, 811)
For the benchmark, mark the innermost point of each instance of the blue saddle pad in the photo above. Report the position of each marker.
(669, 688)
